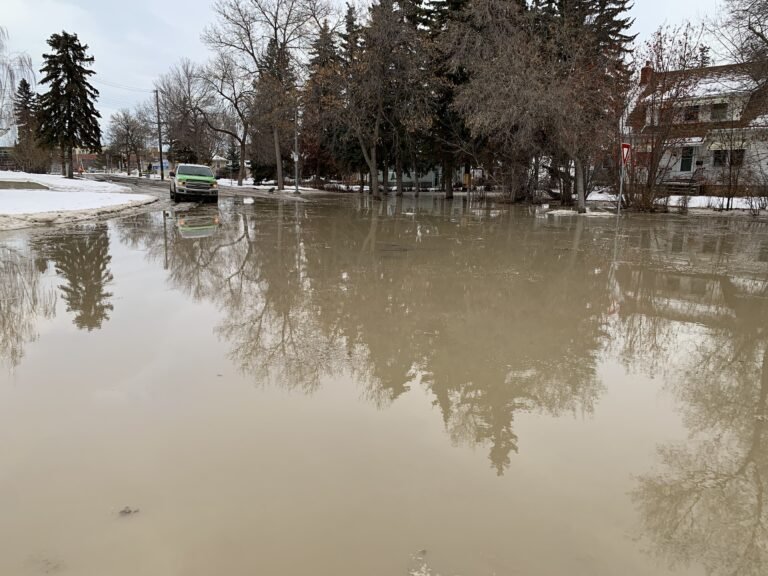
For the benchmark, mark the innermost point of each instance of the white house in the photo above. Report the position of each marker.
(708, 125)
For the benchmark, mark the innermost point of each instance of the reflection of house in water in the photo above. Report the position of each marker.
(698, 275)
(462, 206)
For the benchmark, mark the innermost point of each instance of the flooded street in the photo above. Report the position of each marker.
(342, 387)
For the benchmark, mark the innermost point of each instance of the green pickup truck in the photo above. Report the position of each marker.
(193, 181)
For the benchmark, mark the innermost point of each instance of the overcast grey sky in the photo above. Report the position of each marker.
(135, 41)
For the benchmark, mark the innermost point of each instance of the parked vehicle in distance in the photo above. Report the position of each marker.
(193, 181)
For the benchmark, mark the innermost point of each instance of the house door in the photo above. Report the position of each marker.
(686, 159)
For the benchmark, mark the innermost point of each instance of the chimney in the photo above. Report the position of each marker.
(646, 73)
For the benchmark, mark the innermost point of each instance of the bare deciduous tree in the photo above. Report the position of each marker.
(182, 97)
(13, 67)
(246, 29)
(227, 107)
(128, 134)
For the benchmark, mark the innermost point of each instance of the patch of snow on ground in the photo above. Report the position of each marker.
(715, 202)
(601, 197)
(15, 202)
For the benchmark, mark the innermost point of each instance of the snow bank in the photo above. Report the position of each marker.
(55, 182)
(601, 197)
(15, 202)
(65, 201)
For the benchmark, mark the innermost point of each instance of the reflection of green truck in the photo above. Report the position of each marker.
(197, 226)
(193, 181)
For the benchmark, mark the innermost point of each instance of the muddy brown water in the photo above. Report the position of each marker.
(338, 387)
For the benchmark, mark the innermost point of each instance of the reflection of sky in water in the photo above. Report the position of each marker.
(478, 383)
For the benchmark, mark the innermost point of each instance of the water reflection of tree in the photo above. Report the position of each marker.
(269, 316)
(23, 299)
(707, 501)
(81, 258)
(251, 268)
(474, 318)
(310, 291)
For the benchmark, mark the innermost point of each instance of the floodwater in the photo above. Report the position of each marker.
(340, 387)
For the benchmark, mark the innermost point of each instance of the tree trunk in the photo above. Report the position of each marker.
(567, 184)
(468, 176)
(70, 155)
(448, 179)
(534, 181)
(362, 182)
(581, 205)
(241, 172)
(278, 159)
(374, 174)
(385, 173)
(415, 175)
(399, 172)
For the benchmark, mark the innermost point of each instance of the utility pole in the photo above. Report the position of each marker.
(159, 136)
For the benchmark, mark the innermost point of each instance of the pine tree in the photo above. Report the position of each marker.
(450, 132)
(83, 260)
(350, 38)
(23, 111)
(349, 155)
(29, 156)
(233, 157)
(321, 130)
(68, 118)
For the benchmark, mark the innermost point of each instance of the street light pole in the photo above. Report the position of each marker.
(159, 136)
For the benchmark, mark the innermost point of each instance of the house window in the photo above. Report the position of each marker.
(737, 157)
(691, 113)
(719, 112)
(719, 158)
(686, 159)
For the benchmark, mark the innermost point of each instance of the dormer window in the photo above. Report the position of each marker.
(719, 112)
(691, 113)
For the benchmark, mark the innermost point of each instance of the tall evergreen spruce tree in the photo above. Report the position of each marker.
(67, 116)
(321, 99)
(23, 111)
(28, 154)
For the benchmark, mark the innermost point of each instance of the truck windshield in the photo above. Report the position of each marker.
(194, 171)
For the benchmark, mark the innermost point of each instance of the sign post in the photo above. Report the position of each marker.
(625, 148)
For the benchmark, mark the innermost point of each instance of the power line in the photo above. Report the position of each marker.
(121, 86)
